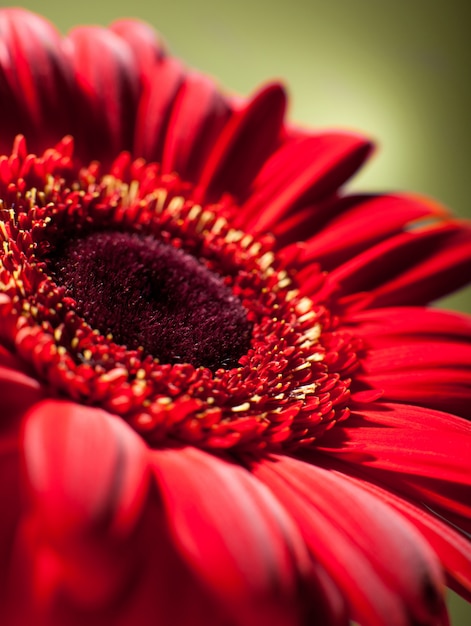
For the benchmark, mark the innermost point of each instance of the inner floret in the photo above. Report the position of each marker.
(149, 294)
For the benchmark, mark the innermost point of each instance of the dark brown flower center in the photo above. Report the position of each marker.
(148, 293)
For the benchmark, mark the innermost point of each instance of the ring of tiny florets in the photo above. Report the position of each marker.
(291, 385)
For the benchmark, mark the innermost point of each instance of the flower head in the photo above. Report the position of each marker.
(205, 420)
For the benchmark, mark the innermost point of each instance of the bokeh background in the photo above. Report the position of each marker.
(397, 70)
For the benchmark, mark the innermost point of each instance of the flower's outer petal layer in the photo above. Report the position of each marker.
(363, 223)
(410, 268)
(36, 92)
(408, 322)
(440, 389)
(435, 374)
(86, 479)
(18, 393)
(155, 107)
(92, 546)
(67, 447)
(416, 356)
(453, 549)
(307, 169)
(105, 72)
(247, 140)
(18, 390)
(237, 538)
(10, 493)
(406, 355)
(198, 116)
(145, 44)
(407, 448)
(387, 571)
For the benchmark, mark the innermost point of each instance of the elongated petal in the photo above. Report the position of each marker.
(364, 225)
(235, 535)
(198, 116)
(417, 451)
(411, 355)
(12, 506)
(438, 388)
(105, 71)
(248, 139)
(309, 169)
(410, 268)
(84, 466)
(36, 90)
(155, 107)
(93, 545)
(100, 583)
(386, 570)
(87, 478)
(145, 44)
(453, 549)
(18, 392)
(374, 324)
(417, 356)
(372, 436)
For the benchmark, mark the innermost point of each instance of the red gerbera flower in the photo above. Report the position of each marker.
(204, 421)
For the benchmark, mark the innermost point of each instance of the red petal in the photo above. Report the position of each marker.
(384, 567)
(364, 225)
(155, 106)
(145, 44)
(87, 477)
(234, 534)
(100, 582)
(402, 321)
(198, 116)
(453, 549)
(85, 468)
(417, 451)
(36, 92)
(105, 70)
(161, 588)
(307, 169)
(438, 388)
(246, 142)
(409, 268)
(10, 497)
(94, 547)
(412, 355)
(407, 439)
(306, 220)
(18, 392)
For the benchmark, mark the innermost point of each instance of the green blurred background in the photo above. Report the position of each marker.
(397, 70)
